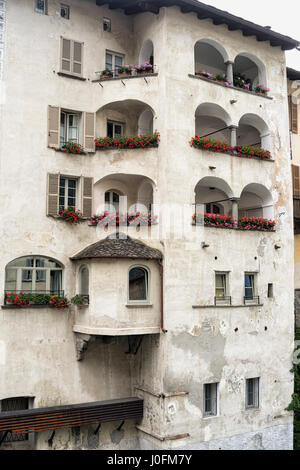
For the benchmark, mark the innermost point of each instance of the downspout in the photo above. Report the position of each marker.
(161, 272)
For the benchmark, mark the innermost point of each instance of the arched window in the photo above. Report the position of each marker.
(138, 284)
(84, 281)
(34, 274)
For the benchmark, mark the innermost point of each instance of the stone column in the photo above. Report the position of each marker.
(233, 136)
(235, 210)
(229, 72)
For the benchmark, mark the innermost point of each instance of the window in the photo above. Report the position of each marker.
(250, 288)
(69, 127)
(113, 61)
(84, 281)
(33, 274)
(112, 198)
(213, 209)
(270, 291)
(222, 289)
(41, 6)
(13, 404)
(293, 111)
(67, 192)
(138, 285)
(65, 11)
(210, 400)
(71, 56)
(252, 393)
(114, 129)
(107, 25)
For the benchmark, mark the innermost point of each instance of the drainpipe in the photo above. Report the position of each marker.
(161, 272)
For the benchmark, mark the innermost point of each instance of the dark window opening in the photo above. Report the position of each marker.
(138, 284)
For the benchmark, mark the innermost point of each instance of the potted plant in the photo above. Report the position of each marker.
(124, 71)
(79, 300)
(261, 89)
(59, 302)
(240, 81)
(106, 73)
(71, 216)
(73, 147)
(206, 75)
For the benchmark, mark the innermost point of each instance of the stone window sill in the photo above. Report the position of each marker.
(69, 75)
(198, 307)
(129, 77)
(139, 306)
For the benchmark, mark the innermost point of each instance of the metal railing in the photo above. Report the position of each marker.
(33, 293)
(133, 73)
(253, 299)
(225, 300)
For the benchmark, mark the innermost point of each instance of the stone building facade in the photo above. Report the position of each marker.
(184, 338)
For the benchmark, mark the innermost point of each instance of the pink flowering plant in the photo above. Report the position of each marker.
(220, 77)
(73, 147)
(123, 142)
(71, 216)
(261, 89)
(146, 67)
(240, 81)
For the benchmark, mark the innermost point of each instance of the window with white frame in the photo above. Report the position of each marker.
(114, 129)
(138, 284)
(69, 127)
(210, 400)
(221, 288)
(40, 6)
(67, 192)
(113, 61)
(33, 274)
(65, 11)
(250, 286)
(252, 393)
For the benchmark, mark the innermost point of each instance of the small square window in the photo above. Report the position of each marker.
(65, 11)
(107, 25)
(252, 393)
(41, 6)
(210, 400)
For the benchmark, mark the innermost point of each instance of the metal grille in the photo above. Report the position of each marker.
(13, 404)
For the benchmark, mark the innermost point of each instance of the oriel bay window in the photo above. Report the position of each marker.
(138, 285)
(34, 274)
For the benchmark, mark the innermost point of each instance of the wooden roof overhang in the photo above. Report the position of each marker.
(204, 12)
(63, 417)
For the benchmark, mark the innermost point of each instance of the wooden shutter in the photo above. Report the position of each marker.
(296, 180)
(87, 197)
(53, 126)
(53, 194)
(77, 58)
(66, 54)
(293, 108)
(89, 132)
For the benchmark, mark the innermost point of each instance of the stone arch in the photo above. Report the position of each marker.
(253, 131)
(212, 191)
(210, 118)
(147, 52)
(210, 56)
(251, 67)
(256, 201)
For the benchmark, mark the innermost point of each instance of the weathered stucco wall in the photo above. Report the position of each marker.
(201, 344)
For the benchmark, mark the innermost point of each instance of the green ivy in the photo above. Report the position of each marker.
(295, 404)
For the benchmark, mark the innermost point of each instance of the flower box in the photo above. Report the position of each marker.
(248, 151)
(23, 300)
(123, 142)
(71, 216)
(108, 219)
(225, 221)
(211, 145)
(73, 147)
